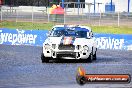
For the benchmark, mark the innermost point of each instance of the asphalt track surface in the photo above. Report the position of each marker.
(21, 67)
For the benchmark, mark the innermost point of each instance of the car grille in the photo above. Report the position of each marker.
(66, 54)
(66, 47)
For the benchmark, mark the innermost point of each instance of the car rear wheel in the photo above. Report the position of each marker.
(94, 56)
(91, 57)
(44, 59)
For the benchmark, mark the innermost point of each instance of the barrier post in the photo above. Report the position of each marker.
(74, 7)
(82, 7)
(1, 14)
(48, 15)
(64, 17)
(118, 19)
(78, 6)
(100, 19)
(16, 15)
(89, 5)
(32, 14)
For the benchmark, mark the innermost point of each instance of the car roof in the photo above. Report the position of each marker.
(78, 27)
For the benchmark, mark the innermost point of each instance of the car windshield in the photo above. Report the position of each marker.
(61, 31)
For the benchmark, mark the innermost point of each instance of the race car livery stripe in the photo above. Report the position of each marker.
(73, 39)
(67, 40)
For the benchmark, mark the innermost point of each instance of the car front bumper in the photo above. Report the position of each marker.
(66, 53)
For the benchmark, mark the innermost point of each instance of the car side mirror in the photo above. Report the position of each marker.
(92, 35)
(88, 35)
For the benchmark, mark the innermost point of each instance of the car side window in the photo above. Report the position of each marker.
(81, 34)
(57, 32)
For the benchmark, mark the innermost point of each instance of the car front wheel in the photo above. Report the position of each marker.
(90, 58)
(44, 59)
(94, 56)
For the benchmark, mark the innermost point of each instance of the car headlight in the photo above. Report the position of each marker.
(53, 46)
(85, 47)
(78, 47)
(47, 46)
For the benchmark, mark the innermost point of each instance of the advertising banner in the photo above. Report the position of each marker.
(22, 37)
(114, 41)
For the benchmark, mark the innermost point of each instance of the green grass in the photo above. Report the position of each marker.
(48, 26)
(26, 25)
(112, 29)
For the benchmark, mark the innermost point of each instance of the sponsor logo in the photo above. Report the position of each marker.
(67, 40)
(17, 38)
(83, 78)
(109, 43)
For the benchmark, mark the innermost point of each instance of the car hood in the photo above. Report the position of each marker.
(53, 40)
(67, 40)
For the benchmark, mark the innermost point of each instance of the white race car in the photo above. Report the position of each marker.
(66, 42)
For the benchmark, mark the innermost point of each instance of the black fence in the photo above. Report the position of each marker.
(37, 2)
(26, 2)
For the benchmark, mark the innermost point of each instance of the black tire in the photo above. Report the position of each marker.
(90, 58)
(94, 56)
(44, 59)
(81, 80)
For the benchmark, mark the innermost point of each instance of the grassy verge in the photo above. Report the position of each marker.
(112, 29)
(48, 26)
(26, 25)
